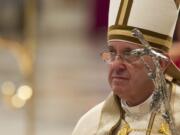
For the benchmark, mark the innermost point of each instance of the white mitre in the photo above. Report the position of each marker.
(156, 19)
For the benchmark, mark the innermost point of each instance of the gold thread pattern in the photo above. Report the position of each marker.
(128, 10)
(134, 40)
(119, 12)
(144, 31)
(126, 129)
(164, 129)
(151, 122)
(149, 38)
(123, 12)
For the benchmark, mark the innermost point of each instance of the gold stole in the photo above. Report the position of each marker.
(156, 121)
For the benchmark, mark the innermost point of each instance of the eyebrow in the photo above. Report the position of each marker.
(128, 49)
(111, 48)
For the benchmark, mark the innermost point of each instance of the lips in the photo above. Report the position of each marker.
(120, 77)
(123, 75)
(119, 72)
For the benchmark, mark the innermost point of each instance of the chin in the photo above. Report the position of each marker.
(118, 90)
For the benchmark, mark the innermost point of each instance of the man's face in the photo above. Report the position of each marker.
(128, 79)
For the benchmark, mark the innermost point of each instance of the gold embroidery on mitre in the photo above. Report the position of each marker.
(164, 129)
(123, 13)
(165, 42)
(177, 2)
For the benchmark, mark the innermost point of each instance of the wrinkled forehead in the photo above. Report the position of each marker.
(123, 45)
(119, 45)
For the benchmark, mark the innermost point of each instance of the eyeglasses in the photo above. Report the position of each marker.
(109, 57)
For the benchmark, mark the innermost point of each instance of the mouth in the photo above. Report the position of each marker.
(120, 78)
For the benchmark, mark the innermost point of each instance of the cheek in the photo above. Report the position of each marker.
(110, 69)
(148, 60)
(138, 72)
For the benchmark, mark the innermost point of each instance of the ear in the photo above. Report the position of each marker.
(165, 63)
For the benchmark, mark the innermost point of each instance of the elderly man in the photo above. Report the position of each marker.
(134, 107)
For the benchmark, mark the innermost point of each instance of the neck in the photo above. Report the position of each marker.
(138, 110)
(136, 100)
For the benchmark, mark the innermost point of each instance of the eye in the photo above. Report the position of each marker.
(113, 54)
(127, 51)
(111, 49)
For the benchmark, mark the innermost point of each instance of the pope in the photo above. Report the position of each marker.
(129, 108)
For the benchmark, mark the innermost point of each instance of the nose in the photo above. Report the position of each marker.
(118, 58)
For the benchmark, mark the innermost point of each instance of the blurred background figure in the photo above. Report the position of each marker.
(99, 22)
(175, 51)
(49, 57)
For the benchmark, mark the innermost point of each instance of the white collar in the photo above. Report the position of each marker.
(138, 110)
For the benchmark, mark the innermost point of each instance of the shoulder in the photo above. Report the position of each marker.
(88, 123)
